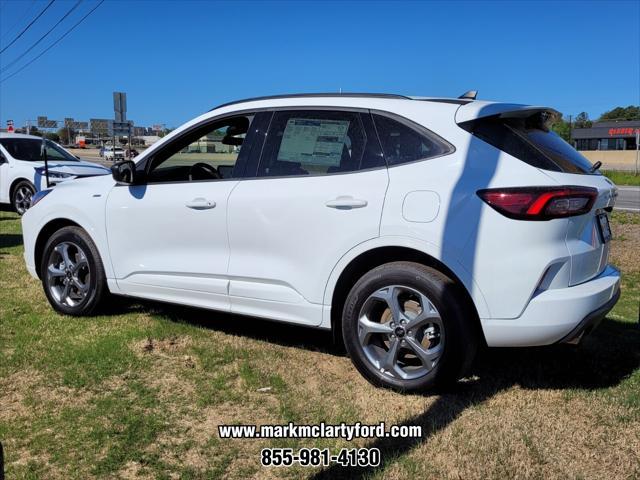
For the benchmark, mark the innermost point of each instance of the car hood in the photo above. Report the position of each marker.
(80, 168)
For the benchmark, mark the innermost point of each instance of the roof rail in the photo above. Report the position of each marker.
(318, 95)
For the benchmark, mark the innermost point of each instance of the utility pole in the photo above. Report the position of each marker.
(571, 139)
(637, 149)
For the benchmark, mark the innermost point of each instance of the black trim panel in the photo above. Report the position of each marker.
(591, 321)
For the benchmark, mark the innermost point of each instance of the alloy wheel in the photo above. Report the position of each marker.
(401, 332)
(22, 200)
(68, 274)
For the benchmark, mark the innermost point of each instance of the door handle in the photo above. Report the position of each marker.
(200, 204)
(345, 202)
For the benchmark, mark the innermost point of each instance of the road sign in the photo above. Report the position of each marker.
(44, 122)
(100, 126)
(122, 128)
(120, 106)
(71, 123)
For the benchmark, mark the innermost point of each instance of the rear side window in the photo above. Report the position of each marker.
(530, 140)
(317, 142)
(403, 144)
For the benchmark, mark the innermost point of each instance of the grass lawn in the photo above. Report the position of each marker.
(139, 392)
(622, 178)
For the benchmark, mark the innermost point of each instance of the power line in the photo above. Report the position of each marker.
(19, 21)
(27, 27)
(54, 43)
(42, 37)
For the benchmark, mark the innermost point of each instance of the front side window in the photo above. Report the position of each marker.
(207, 153)
(316, 142)
(30, 150)
(403, 144)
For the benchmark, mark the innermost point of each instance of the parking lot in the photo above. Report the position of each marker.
(138, 392)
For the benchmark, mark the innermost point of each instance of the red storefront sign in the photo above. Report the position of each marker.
(629, 132)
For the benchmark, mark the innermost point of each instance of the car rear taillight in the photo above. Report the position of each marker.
(540, 203)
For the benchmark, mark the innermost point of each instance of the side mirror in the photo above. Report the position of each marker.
(124, 172)
(3, 159)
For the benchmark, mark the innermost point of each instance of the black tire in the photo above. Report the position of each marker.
(21, 196)
(460, 338)
(97, 289)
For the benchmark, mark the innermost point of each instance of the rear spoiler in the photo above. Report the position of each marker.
(475, 110)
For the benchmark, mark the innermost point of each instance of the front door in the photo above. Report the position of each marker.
(168, 237)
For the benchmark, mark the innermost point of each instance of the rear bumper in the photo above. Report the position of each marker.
(558, 315)
(591, 321)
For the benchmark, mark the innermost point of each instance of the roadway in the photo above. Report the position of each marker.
(628, 199)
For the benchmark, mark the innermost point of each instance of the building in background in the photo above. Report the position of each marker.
(620, 135)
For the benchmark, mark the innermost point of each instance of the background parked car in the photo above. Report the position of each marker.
(22, 168)
(113, 154)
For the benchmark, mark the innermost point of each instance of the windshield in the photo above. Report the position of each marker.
(29, 149)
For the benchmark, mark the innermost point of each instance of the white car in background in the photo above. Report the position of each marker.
(414, 228)
(22, 171)
(113, 154)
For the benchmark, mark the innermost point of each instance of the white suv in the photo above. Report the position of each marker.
(22, 170)
(415, 228)
(113, 154)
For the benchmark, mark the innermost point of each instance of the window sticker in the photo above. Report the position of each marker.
(313, 141)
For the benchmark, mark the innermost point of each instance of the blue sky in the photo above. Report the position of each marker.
(176, 59)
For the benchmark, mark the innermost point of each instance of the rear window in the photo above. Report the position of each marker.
(530, 140)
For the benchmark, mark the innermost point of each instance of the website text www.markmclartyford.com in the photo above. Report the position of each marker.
(313, 457)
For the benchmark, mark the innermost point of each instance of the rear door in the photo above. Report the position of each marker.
(317, 192)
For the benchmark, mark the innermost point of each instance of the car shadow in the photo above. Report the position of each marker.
(279, 333)
(604, 359)
(8, 240)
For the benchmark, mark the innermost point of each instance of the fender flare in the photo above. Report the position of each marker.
(421, 246)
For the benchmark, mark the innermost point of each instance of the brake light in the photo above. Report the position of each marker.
(540, 203)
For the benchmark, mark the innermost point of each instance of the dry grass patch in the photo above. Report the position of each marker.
(28, 394)
(513, 436)
(625, 249)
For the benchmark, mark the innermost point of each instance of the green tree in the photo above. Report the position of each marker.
(622, 113)
(66, 135)
(54, 137)
(582, 121)
(562, 128)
